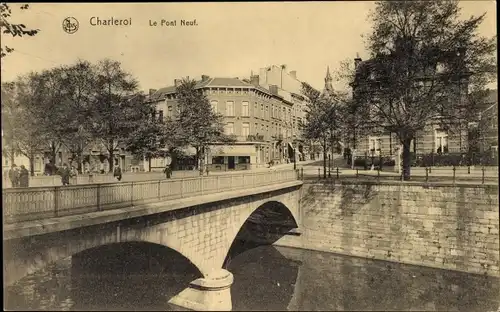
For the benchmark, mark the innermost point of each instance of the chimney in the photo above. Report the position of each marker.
(357, 60)
(151, 91)
(293, 73)
(273, 89)
(283, 67)
(205, 77)
(254, 79)
(177, 82)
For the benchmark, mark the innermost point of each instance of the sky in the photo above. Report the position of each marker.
(229, 40)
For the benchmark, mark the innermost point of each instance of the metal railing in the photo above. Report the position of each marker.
(452, 174)
(36, 203)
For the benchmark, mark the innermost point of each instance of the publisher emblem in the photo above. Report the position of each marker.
(70, 25)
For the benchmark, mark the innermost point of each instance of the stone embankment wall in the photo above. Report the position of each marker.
(444, 226)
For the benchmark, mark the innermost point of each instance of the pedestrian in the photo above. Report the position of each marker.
(65, 174)
(117, 173)
(167, 171)
(74, 175)
(14, 176)
(24, 177)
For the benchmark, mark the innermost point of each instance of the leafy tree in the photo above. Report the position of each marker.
(148, 138)
(10, 113)
(323, 119)
(29, 131)
(75, 127)
(50, 108)
(6, 27)
(197, 124)
(423, 61)
(114, 111)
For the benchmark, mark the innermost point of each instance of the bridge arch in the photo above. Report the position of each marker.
(27, 255)
(263, 225)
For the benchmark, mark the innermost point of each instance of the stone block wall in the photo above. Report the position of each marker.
(444, 226)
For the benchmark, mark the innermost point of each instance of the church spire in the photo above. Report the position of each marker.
(328, 81)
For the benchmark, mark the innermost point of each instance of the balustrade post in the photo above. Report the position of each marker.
(98, 195)
(483, 169)
(159, 189)
(56, 201)
(426, 174)
(131, 193)
(182, 187)
(454, 170)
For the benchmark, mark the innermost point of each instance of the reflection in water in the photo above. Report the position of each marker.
(266, 278)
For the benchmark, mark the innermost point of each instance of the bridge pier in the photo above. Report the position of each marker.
(211, 293)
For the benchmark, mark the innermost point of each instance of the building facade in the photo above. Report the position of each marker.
(261, 120)
(290, 88)
(370, 140)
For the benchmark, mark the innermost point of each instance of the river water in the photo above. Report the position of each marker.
(266, 278)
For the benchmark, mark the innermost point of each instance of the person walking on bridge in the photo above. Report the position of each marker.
(167, 171)
(24, 177)
(14, 176)
(117, 173)
(65, 174)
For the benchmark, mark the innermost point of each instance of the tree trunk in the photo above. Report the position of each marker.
(173, 157)
(149, 163)
(202, 159)
(111, 151)
(53, 156)
(79, 157)
(12, 155)
(324, 157)
(32, 164)
(406, 159)
(197, 158)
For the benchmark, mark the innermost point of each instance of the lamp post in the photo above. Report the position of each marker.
(295, 157)
(380, 154)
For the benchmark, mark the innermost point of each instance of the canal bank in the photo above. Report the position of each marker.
(266, 278)
(443, 226)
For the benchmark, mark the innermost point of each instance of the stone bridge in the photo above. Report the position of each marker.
(199, 218)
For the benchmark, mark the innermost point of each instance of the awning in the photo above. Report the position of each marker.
(188, 151)
(232, 154)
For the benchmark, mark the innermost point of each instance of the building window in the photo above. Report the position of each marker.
(262, 111)
(243, 159)
(245, 129)
(256, 128)
(267, 112)
(255, 110)
(373, 143)
(169, 111)
(230, 128)
(218, 160)
(160, 115)
(214, 105)
(244, 109)
(441, 141)
(229, 108)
